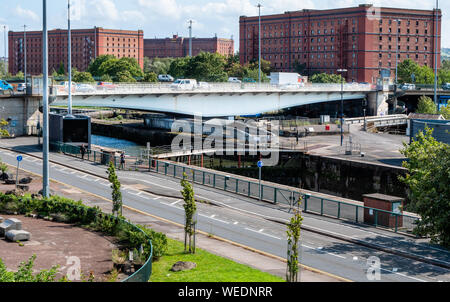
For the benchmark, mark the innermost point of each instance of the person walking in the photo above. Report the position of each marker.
(122, 161)
(83, 151)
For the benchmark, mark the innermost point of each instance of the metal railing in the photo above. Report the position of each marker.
(289, 197)
(145, 88)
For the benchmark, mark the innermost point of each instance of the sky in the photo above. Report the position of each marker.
(164, 18)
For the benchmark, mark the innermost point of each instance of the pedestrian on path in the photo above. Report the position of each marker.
(122, 161)
(83, 151)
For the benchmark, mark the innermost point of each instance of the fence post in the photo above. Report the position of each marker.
(94, 156)
(275, 195)
(321, 206)
(306, 202)
(237, 185)
(376, 217)
(339, 210)
(214, 180)
(357, 211)
(262, 192)
(203, 178)
(396, 220)
(174, 171)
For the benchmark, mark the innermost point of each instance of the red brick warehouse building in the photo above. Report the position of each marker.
(178, 47)
(361, 39)
(87, 44)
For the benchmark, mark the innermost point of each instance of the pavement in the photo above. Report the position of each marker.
(336, 247)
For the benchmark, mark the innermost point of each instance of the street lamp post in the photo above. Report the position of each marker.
(396, 67)
(342, 71)
(25, 52)
(436, 54)
(69, 57)
(45, 142)
(190, 38)
(4, 58)
(259, 42)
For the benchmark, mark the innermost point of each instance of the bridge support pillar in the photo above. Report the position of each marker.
(377, 103)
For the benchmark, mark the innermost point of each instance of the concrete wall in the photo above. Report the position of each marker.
(22, 113)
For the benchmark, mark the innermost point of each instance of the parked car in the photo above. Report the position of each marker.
(5, 86)
(184, 84)
(204, 85)
(165, 78)
(234, 80)
(85, 88)
(446, 86)
(407, 86)
(21, 87)
(65, 86)
(248, 80)
(106, 86)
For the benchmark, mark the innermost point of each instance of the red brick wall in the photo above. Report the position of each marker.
(86, 45)
(326, 40)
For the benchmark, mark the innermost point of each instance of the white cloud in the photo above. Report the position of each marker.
(106, 9)
(26, 14)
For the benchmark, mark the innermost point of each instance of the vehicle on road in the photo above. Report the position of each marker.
(285, 78)
(65, 86)
(165, 78)
(5, 86)
(204, 85)
(407, 86)
(446, 86)
(234, 80)
(248, 80)
(106, 86)
(184, 84)
(292, 86)
(85, 88)
(21, 87)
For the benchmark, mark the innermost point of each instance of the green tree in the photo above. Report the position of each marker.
(61, 69)
(444, 76)
(94, 67)
(106, 78)
(190, 208)
(426, 105)
(326, 78)
(151, 77)
(157, 65)
(429, 185)
(405, 71)
(82, 77)
(115, 186)
(3, 131)
(208, 67)
(445, 111)
(178, 67)
(121, 67)
(293, 238)
(124, 76)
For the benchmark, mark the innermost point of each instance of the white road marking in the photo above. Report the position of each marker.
(210, 217)
(321, 249)
(263, 233)
(403, 275)
(174, 203)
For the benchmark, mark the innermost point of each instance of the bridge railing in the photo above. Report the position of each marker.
(145, 88)
(288, 197)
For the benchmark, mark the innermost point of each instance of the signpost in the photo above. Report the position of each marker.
(19, 159)
(260, 165)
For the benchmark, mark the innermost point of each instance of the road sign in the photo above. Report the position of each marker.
(19, 158)
(260, 164)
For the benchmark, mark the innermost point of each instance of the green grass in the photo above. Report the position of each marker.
(210, 268)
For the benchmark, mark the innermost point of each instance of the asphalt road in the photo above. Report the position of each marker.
(322, 252)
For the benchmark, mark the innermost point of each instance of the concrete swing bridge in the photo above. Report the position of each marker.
(218, 100)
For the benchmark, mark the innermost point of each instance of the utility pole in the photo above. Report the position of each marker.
(45, 143)
(190, 38)
(342, 71)
(396, 67)
(25, 52)
(259, 42)
(4, 58)
(69, 64)
(436, 55)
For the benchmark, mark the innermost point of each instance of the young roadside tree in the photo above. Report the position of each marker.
(429, 184)
(190, 208)
(115, 186)
(426, 105)
(3, 131)
(293, 235)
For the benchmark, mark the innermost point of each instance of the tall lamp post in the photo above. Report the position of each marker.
(45, 142)
(259, 43)
(69, 63)
(25, 53)
(190, 38)
(342, 71)
(396, 66)
(4, 58)
(436, 54)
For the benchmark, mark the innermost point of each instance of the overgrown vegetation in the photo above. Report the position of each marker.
(428, 179)
(427, 106)
(190, 208)
(24, 273)
(326, 78)
(3, 131)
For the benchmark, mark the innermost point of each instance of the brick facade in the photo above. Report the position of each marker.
(177, 47)
(87, 44)
(351, 38)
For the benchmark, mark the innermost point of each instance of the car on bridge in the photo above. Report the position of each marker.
(234, 80)
(407, 86)
(5, 86)
(106, 86)
(85, 88)
(165, 78)
(184, 84)
(21, 87)
(446, 86)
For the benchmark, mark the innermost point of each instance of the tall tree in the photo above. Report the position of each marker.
(190, 208)
(428, 179)
(94, 67)
(116, 193)
(293, 235)
(426, 105)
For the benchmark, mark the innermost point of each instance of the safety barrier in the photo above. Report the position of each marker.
(291, 198)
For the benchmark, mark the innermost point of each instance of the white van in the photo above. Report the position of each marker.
(184, 84)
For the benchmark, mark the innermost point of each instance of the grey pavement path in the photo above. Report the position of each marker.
(252, 208)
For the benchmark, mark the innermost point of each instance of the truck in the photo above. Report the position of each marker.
(287, 79)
